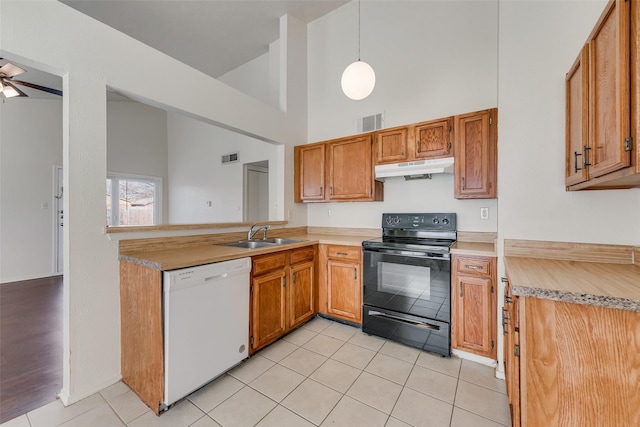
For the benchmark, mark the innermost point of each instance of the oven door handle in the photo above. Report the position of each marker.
(410, 254)
(405, 321)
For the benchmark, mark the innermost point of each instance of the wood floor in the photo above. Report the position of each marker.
(30, 345)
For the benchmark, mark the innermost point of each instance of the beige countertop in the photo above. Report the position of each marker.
(474, 248)
(171, 259)
(592, 283)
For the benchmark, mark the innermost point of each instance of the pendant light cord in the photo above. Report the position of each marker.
(358, 30)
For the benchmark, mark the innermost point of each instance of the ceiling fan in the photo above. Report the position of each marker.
(8, 84)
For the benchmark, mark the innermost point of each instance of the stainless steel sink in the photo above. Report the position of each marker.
(249, 244)
(254, 244)
(280, 240)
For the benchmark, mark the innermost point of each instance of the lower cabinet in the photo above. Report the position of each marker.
(342, 295)
(511, 349)
(473, 305)
(282, 293)
(570, 364)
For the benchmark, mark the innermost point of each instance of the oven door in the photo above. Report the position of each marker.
(408, 282)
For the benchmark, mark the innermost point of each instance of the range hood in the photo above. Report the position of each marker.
(415, 170)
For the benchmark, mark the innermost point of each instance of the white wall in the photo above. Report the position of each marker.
(432, 59)
(197, 176)
(253, 79)
(30, 146)
(538, 43)
(137, 142)
(51, 36)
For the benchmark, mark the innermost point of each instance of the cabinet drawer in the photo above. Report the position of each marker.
(270, 262)
(302, 255)
(474, 266)
(344, 252)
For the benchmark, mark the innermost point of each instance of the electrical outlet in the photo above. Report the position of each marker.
(484, 213)
(329, 213)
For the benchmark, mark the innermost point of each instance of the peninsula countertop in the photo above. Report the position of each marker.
(171, 259)
(601, 284)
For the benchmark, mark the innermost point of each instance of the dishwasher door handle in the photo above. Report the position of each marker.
(216, 277)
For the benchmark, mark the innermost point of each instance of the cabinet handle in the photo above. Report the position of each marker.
(584, 156)
(284, 281)
(461, 289)
(342, 253)
(575, 161)
(294, 278)
(473, 267)
(463, 182)
(355, 274)
(331, 190)
(417, 146)
(320, 190)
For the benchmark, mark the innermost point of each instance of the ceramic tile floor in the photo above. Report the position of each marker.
(323, 374)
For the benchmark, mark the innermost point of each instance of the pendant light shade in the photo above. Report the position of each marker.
(358, 80)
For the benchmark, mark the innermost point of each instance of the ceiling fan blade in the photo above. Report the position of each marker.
(6, 83)
(38, 87)
(10, 70)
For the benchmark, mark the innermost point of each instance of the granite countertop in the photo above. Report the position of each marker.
(591, 283)
(171, 259)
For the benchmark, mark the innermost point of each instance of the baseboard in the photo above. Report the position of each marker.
(25, 278)
(475, 358)
(67, 399)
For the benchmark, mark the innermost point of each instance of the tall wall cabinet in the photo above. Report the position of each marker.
(602, 103)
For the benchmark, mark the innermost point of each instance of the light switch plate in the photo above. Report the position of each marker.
(484, 213)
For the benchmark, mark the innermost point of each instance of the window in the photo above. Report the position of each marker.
(133, 199)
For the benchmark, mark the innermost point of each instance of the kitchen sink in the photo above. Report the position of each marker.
(254, 244)
(280, 240)
(249, 244)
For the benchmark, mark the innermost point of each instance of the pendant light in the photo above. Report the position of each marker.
(358, 79)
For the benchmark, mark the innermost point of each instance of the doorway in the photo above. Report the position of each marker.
(256, 191)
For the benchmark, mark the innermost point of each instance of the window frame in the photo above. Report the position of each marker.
(115, 178)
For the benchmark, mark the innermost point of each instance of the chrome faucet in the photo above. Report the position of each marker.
(253, 232)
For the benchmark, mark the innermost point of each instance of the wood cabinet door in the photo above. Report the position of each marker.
(310, 168)
(472, 308)
(350, 169)
(476, 155)
(268, 305)
(433, 139)
(609, 91)
(511, 342)
(344, 290)
(577, 119)
(301, 304)
(391, 146)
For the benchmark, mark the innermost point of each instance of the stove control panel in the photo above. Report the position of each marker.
(420, 221)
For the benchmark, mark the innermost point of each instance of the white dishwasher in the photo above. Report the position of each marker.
(206, 324)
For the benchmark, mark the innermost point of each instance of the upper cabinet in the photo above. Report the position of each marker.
(344, 169)
(476, 155)
(602, 98)
(433, 139)
(310, 170)
(337, 170)
(426, 140)
(391, 146)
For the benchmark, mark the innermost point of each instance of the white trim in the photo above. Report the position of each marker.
(475, 358)
(55, 207)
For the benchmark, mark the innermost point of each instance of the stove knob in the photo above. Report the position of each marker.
(436, 221)
(445, 221)
(396, 220)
